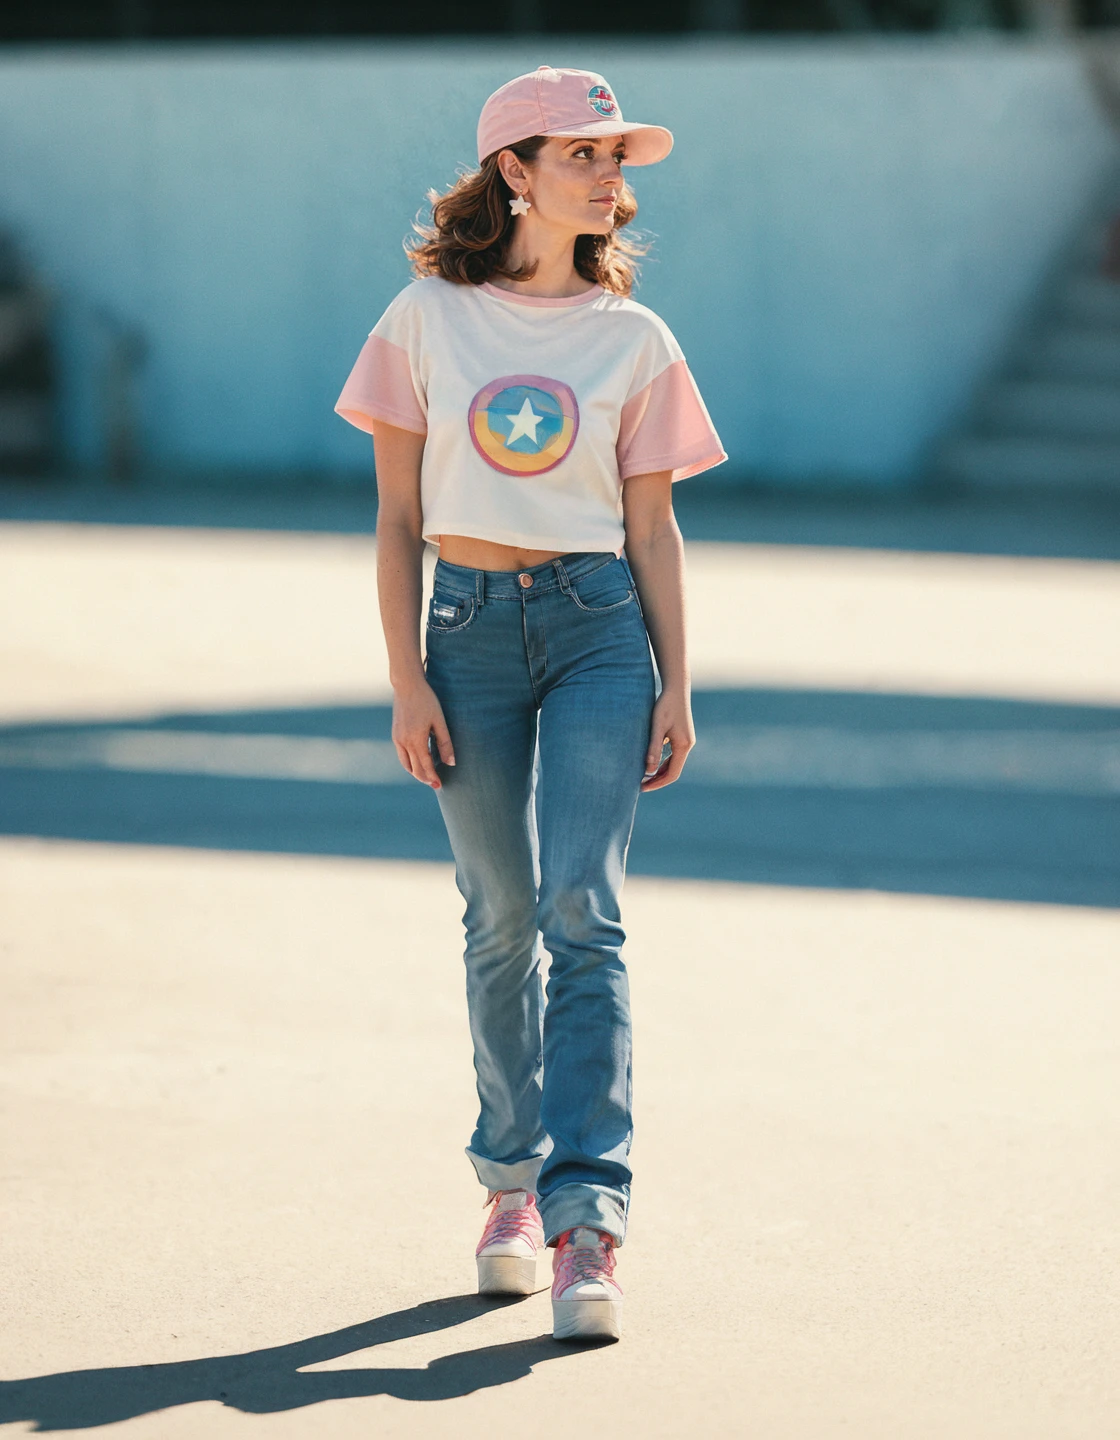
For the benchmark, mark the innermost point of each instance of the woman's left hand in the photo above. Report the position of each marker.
(672, 722)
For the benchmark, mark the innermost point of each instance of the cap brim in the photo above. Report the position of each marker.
(646, 146)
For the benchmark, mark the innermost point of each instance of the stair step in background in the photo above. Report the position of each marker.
(25, 367)
(1027, 461)
(1086, 251)
(25, 421)
(1089, 300)
(1052, 410)
(1067, 353)
(1051, 420)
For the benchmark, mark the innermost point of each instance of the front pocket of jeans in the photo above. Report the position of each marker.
(607, 588)
(449, 613)
(603, 609)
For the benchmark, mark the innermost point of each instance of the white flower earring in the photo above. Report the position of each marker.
(520, 206)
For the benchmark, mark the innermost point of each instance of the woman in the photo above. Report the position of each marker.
(529, 418)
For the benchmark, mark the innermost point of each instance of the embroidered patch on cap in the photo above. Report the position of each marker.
(602, 101)
(523, 424)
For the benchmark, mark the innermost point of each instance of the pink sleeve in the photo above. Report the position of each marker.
(666, 426)
(380, 388)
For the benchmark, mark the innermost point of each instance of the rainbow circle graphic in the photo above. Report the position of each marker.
(524, 424)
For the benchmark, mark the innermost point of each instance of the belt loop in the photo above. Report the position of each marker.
(562, 576)
(480, 587)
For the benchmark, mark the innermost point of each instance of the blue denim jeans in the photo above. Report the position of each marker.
(547, 688)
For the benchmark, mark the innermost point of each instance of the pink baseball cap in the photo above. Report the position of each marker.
(564, 102)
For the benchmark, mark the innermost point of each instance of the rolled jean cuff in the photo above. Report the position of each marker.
(572, 1205)
(518, 1175)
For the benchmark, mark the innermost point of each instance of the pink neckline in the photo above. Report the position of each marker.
(592, 294)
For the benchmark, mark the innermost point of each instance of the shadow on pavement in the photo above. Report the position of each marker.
(1081, 525)
(986, 798)
(263, 1382)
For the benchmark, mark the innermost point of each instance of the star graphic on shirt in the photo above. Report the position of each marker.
(525, 422)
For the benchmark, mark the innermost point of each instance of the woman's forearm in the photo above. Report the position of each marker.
(417, 715)
(399, 593)
(657, 559)
(400, 549)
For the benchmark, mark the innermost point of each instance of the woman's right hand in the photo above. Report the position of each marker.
(417, 714)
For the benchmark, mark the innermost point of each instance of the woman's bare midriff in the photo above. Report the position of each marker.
(488, 555)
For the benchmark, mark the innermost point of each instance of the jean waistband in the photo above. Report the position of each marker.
(482, 585)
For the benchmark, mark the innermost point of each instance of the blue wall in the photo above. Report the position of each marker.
(845, 231)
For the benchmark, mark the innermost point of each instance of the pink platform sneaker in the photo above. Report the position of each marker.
(586, 1299)
(510, 1252)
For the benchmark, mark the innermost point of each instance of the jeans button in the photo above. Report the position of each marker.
(525, 580)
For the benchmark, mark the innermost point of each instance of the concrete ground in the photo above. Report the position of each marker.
(877, 1078)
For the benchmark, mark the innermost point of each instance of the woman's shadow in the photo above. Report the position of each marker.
(263, 1381)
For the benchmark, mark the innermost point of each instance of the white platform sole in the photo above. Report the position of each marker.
(511, 1275)
(586, 1319)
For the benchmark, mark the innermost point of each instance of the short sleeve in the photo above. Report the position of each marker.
(385, 382)
(664, 423)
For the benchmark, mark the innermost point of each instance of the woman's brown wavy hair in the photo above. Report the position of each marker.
(472, 228)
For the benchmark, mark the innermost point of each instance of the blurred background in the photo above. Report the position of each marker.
(913, 209)
(872, 931)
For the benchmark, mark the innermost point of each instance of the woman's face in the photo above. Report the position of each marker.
(573, 185)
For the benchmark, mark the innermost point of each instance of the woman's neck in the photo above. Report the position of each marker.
(556, 276)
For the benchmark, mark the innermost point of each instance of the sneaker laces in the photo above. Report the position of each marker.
(589, 1263)
(515, 1224)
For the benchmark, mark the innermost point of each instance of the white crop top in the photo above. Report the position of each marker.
(535, 410)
